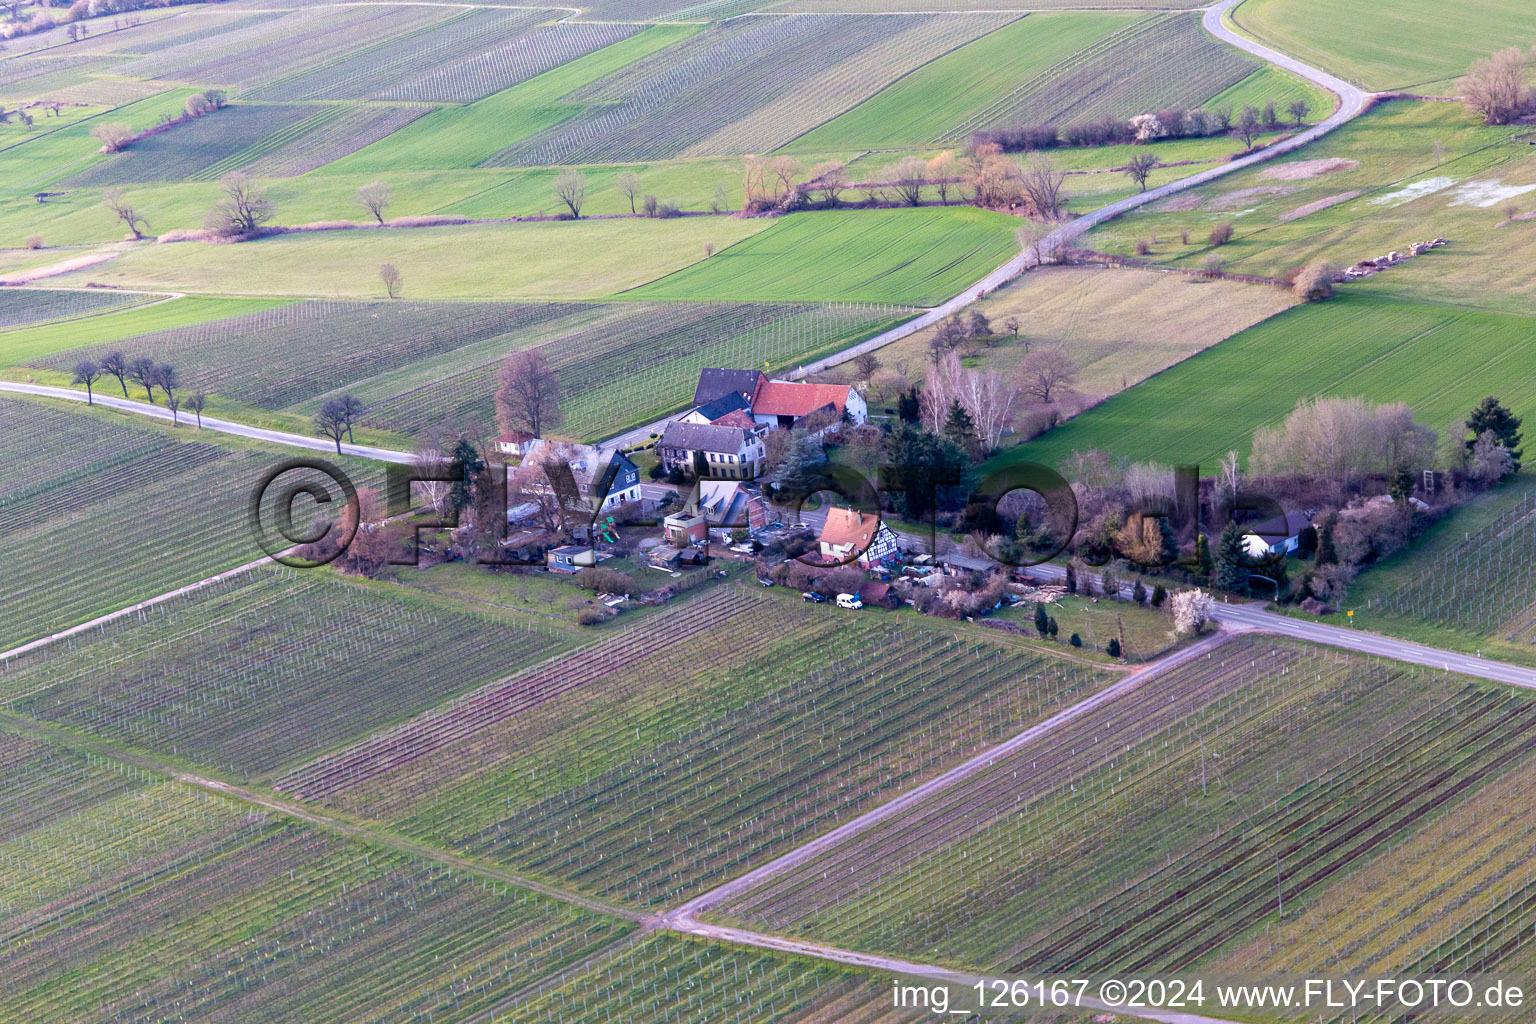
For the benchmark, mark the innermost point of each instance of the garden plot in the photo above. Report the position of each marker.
(267, 668)
(1166, 825)
(129, 894)
(664, 794)
(748, 85)
(285, 356)
(465, 59)
(198, 149)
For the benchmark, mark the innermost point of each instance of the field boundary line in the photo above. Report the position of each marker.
(682, 917)
(305, 813)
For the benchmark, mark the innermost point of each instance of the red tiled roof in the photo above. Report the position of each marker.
(797, 398)
(736, 418)
(847, 526)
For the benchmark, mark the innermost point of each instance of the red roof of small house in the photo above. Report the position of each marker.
(848, 526)
(736, 418)
(874, 593)
(797, 398)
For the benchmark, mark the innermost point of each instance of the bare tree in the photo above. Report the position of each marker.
(174, 404)
(830, 178)
(1298, 111)
(629, 187)
(754, 179)
(1231, 476)
(1140, 168)
(1248, 125)
(529, 394)
(866, 363)
(242, 208)
(331, 422)
(391, 278)
(142, 372)
(429, 462)
(215, 98)
(114, 137)
(785, 170)
(907, 177)
(1315, 282)
(116, 364)
(168, 379)
(1495, 87)
(1041, 182)
(374, 197)
(943, 170)
(1046, 373)
(1031, 236)
(196, 106)
(87, 373)
(116, 200)
(196, 401)
(571, 189)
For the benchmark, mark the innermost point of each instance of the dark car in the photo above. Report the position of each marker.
(812, 596)
(765, 581)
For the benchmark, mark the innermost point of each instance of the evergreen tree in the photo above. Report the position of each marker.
(1139, 594)
(1326, 555)
(1113, 648)
(467, 461)
(908, 407)
(960, 428)
(1402, 485)
(1071, 578)
(1490, 414)
(1042, 621)
(1076, 641)
(1202, 557)
(1230, 572)
(1159, 595)
(1051, 626)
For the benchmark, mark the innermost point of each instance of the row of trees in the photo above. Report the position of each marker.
(146, 373)
(1170, 123)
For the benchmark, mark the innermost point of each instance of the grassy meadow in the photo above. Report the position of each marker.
(918, 256)
(1402, 173)
(1396, 52)
(1440, 359)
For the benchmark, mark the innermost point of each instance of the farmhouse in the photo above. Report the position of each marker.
(515, 444)
(783, 403)
(730, 453)
(1278, 536)
(604, 484)
(719, 409)
(848, 532)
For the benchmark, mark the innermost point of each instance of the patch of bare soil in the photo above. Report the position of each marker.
(1320, 204)
(1240, 198)
(1179, 203)
(1309, 168)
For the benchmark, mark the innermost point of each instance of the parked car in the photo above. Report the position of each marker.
(765, 581)
(812, 596)
(849, 601)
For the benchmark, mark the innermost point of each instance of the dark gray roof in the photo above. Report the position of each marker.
(715, 383)
(714, 409)
(703, 437)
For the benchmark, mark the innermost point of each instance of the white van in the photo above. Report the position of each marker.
(849, 601)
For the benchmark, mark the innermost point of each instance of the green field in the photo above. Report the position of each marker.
(920, 257)
(552, 260)
(1270, 84)
(1441, 360)
(1073, 854)
(923, 108)
(1416, 45)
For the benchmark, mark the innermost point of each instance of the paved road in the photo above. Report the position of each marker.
(282, 437)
